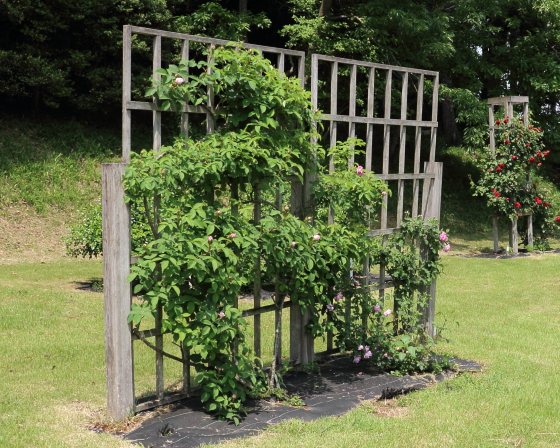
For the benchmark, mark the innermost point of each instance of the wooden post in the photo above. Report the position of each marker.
(117, 293)
(431, 205)
(530, 230)
(126, 94)
(495, 232)
(514, 236)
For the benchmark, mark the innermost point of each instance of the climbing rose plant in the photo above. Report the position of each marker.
(198, 196)
(519, 153)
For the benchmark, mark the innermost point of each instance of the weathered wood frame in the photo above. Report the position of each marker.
(508, 103)
(117, 256)
(431, 176)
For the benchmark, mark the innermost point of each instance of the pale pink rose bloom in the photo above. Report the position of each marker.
(293, 244)
(179, 81)
(376, 308)
(210, 238)
(357, 359)
(222, 314)
(361, 347)
(316, 237)
(233, 235)
(443, 236)
(387, 313)
(447, 248)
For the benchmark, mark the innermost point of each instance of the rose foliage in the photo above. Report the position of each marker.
(207, 246)
(506, 175)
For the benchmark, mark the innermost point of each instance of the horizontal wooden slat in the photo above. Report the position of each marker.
(379, 232)
(144, 105)
(264, 309)
(172, 398)
(405, 176)
(508, 99)
(149, 334)
(376, 120)
(209, 40)
(396, 68)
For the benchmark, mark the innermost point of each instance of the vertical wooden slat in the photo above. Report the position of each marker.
(386, 141)
(514, 236)
(156, 133)
(281, 62)
(352, 110)
(434, 118)
(431, 194)
(334, 109)
(185, 115)
(257, 213)
(301, 71)
(156, 64)
(417, 144)
(402, 148)
(370, 106)
(526, 113)
(278, 298)
(530, 230)
(210, 92)
(126, 94)
(491, 128)
(382, 274)
(117, 293)
(495, 232)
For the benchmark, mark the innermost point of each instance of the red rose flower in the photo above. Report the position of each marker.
(546, 154)
(498, 169)
(502, 165)
(539, 201)
(539, 164)
(497, 121)
(514, 157)
(531, 160)
(493, 190)
(497, 194)
(490, 170)
(506, 142)
(506, 120)
(507, 199)
(527, 144)
(517, 205)
(557, 219)
(539, 154)
(546, 204)
(539, 129)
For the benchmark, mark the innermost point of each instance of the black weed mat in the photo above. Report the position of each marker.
(340, 388)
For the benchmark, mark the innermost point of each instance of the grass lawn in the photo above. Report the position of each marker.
(52, 364)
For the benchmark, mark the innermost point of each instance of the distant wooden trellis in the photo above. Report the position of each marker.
(508, 103)
(116, 219)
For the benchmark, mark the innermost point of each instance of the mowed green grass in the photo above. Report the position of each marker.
(53, 373)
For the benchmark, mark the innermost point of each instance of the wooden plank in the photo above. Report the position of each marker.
(117, 293)
(431, 195)
(402, 148)
(359, 63)
(417, 144)
(491, 128)
(530, 230)
(126, 95)
(210, 123)
(301, 70)
(376, 120)
(168, 399)
(433, 133)
(156, 65)
(501, 100)
(352, 110)
(370, 111)
(210, 40)
(334, 107)
(185, 115)
(495, 232)
(144, 105)
(515, 242)
(280, 62)
(257, 213)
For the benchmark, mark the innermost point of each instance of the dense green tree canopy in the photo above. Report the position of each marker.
(68, 52)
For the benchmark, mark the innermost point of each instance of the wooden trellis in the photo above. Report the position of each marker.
(116, 220)
(508, 103)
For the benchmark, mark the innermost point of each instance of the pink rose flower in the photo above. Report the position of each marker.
(443, 236)
(387, 313)
(360, 347)
(210, 238)
(179, 80)
(360, 171)
(447, 248)
(376, 308)
(368, 355)
(339, 296)
(357, 359)
(233, 235)
(293, 244)
(222, 314)
(330, 307)
(316, 237)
